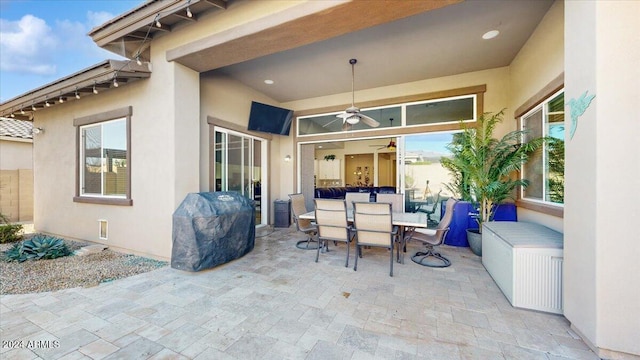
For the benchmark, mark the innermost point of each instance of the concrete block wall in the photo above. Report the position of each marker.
(16, 194)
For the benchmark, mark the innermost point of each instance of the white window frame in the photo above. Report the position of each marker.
(403, 121)
(543, 108)
(102, 159)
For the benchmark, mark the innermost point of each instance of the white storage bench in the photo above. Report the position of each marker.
(525, 260)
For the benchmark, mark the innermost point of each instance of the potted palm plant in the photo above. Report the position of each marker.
(484, 168)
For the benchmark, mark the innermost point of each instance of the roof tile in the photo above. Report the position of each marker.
(16, 128)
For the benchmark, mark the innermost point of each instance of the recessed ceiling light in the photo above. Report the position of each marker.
(319, 146)
(490, 34)
(268, 82)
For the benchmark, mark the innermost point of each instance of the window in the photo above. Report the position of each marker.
(545, 168)
(389, 116)
(441, 111)
(104, 158)
(420, 113)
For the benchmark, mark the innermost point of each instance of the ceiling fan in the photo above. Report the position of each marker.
(352, 114)
(392, 144)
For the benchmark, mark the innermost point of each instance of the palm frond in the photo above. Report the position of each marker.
(482, 166)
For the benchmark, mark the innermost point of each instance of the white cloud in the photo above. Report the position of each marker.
(27, 46)
(96, 18)
(75, 38)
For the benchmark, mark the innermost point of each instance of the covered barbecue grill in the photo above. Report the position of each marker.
(212, 228)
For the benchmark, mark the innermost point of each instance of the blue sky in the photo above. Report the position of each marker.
(435, 142)
(44, 40)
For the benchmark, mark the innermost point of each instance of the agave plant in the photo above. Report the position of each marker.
(482, 167)
(36, 248)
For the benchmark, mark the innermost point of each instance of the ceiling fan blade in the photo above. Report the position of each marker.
(329, 123)
(369, 121)
(343, 115)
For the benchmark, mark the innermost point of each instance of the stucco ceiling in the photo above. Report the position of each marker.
(436, 43)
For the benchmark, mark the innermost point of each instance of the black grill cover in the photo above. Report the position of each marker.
(212, 228)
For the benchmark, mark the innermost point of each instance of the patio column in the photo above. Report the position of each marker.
(186, 117)
(601, 267)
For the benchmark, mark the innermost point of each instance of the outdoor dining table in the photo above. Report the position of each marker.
(401, 219)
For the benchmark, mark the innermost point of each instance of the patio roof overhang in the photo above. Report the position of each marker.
(305, 23)
(129, 34)
(302, 23)
(100, 76)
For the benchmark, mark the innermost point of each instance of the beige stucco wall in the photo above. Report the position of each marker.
(16, 154)
(602, 272)
(496, 97)
(540, 61)
(164, 160)
(229, 100)
(55, 173)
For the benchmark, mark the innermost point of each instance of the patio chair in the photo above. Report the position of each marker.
(430, 211)
(350, 197)
(305, 226)
(396, 201)
(373, 226)
(432, 238)
(332, 225)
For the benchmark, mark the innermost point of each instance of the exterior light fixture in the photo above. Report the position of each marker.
(95, 91)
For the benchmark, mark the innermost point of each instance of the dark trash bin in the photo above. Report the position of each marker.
(282, 211)
(212, 228)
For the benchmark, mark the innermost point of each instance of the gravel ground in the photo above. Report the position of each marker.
(70, 271)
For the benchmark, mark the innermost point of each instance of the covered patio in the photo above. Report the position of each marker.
(276, 303)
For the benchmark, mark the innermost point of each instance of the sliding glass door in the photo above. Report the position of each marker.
(240, 166)
(425, 179)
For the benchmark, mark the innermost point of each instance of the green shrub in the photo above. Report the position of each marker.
(9, 232)
(36, 248)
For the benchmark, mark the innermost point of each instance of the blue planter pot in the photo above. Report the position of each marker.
(463, 219)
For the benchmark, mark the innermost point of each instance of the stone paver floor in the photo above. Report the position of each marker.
(277, 303)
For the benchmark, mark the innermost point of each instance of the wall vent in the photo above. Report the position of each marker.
(102, 229)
